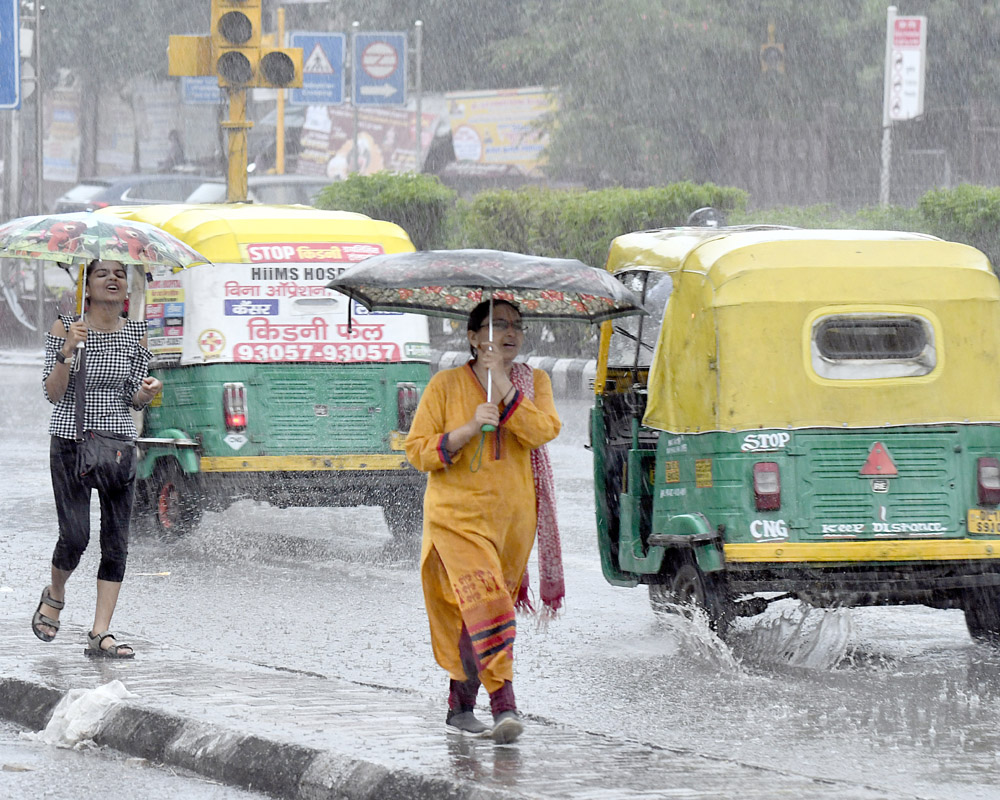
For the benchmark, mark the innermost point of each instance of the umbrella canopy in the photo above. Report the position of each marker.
(450, 283)
(86, 236)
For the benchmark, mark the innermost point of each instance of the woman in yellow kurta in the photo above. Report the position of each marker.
(480, 512)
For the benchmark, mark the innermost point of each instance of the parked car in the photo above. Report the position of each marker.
(127, 190)
(268, 189)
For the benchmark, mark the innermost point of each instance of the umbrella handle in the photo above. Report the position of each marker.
(489, 378)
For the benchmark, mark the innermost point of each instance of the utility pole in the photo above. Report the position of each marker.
(354, 101)
(418, 45)
(39, 165)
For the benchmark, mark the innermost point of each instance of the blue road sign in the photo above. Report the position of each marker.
(201, 90)
(379, 61)
(10, 54)
(322, 69)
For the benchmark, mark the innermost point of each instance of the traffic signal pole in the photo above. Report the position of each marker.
(236, 128)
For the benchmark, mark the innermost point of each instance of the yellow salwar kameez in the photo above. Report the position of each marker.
(479, 526)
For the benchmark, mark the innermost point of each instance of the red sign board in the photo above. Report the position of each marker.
(906, 31)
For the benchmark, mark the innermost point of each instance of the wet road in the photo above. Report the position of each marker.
(897, 699)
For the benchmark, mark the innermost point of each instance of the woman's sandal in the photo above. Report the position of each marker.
(38, 620)
(95, 650)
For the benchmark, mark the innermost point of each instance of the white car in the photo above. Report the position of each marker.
(270, 189)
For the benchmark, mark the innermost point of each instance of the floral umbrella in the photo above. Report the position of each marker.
(450, 283)
(85, 236)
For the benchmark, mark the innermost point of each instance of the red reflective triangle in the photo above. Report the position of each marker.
(879, 463)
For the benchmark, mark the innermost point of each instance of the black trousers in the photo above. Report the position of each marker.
(73, 510)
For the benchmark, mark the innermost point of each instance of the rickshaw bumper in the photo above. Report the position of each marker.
(939, 584)
(315, 488)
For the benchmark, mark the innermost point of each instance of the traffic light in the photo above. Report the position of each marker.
(241, 57)
(280, 68)
(235, 37)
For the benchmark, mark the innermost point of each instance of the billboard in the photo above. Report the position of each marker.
(506, 126)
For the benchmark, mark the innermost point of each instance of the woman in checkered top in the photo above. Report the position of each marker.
(117, 380)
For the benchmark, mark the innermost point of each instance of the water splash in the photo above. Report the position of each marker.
(801, 636)
(689, 627)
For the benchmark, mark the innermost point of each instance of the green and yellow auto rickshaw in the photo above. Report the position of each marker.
(272, 389)
(804, 413)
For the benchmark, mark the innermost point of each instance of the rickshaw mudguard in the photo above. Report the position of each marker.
(182, 449)
(682, 531)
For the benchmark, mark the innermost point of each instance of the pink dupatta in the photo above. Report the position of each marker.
(550, 567)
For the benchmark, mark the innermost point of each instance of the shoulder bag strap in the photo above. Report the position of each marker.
(80, 391)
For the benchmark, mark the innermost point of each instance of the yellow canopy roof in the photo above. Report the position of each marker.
(734, 348)
(221, 232)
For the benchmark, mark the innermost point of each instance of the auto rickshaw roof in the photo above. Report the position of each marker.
(723, 254)
(217, 230)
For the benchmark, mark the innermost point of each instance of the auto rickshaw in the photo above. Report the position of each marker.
(274, 389)
(811, 414)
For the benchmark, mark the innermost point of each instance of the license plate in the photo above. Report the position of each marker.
(984, 521)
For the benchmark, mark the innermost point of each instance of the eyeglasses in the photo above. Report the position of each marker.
(504, 325)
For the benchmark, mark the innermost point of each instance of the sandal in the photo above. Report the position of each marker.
(39, 619)
(94, 649)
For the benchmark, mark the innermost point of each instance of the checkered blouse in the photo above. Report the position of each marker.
(116, 364)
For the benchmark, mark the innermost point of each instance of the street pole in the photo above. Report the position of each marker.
(39, 113)
(885, 176)
(14, 173)
(236, 126)
(39, 166)
(354, 100)
(419, 38)
(279, 138)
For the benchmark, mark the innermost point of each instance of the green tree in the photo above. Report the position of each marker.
(107, 44)
(646, 87)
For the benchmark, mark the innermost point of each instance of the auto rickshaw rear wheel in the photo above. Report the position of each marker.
(688, 587)
(177, 502)
(404, 514)
(981, 606)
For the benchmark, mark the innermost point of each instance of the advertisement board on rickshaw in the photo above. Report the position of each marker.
(275, 388)
(803, 414)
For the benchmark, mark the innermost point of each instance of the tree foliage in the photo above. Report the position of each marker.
(113, 41)
(419, 204)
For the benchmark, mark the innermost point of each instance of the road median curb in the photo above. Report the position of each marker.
(281, 769)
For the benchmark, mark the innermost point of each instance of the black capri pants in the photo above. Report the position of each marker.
(73, 510)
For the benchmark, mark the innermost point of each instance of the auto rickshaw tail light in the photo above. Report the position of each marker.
(234, 406)
(988, 481)
(407, 398)
(767, 486)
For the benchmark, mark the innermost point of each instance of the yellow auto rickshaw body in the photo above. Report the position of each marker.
(814, 412)
(276, 387)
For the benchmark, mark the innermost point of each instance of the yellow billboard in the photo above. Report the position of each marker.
(504, 126)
